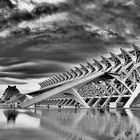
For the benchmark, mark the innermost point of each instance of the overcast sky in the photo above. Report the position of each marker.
(42, 38)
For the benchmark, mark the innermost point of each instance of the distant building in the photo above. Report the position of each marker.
(13, 95)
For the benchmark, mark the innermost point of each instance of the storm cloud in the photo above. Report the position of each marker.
(49, 37)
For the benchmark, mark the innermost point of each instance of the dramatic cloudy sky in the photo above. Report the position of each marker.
(39, 38)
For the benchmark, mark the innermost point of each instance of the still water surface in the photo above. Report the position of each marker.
(69, 124)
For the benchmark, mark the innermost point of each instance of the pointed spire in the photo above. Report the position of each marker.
(56, 79)
(61, 77)
(66, 76)
(70, 75)
(80, 72)
(137, 53)
(45, 82)
(41, 84)
(116, 59)
(98, 64)
(84, 69)
(74, 72)
(91, 67)
(107, 62)
(52, 80)
(127, 56)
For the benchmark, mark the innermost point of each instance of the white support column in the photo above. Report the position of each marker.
(62, 102)
(133, 96)
(75, 103)
(70, 102)
(78, 98)
(52, 103)
(118, 99)
(58, 102)
(90, 100)
(96, 103)
(65, 104)
(65, 100)
(48, 102)
(106, 102)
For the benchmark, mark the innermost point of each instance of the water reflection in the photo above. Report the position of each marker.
(11, 115)
(80, 124)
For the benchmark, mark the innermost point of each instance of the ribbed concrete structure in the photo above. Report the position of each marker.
(113, 81)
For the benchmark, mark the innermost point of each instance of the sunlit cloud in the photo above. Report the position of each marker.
(49, 1)
(4, 33)
(44, 22)
(29, 5)
(91, 6)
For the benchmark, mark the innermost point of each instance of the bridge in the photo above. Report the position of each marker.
(113, 81)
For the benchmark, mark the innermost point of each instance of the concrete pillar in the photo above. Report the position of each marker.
(59, 102)
(62, 103)
(133, 96)
(118, 99)
(96, 103)
(90, 101)
(70, 102)
(106, 102)
(67, 102)
(75, 103)
(56, 100)
(78, 98)
(52, 103)
(49, 102)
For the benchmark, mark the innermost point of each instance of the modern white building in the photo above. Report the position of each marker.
(112, 82)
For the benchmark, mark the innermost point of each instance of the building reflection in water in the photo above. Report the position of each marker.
(11, 115)
(93, 124)
(85, 124)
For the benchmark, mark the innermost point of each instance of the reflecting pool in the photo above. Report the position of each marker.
(69, 124)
